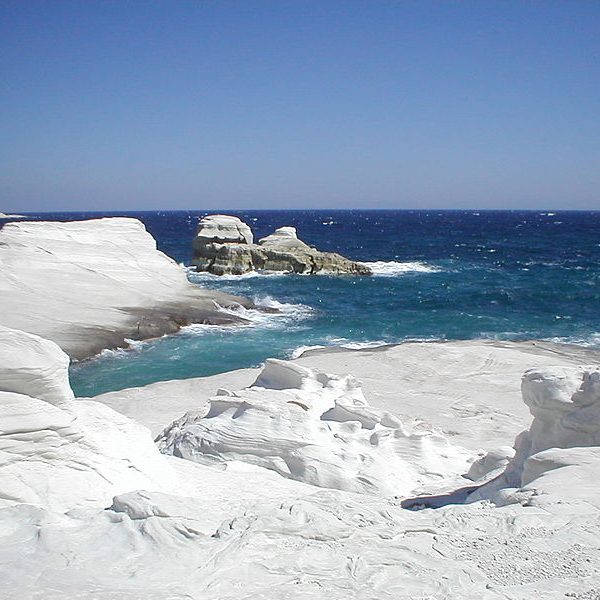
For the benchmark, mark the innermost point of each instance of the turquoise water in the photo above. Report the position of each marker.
(439, 275)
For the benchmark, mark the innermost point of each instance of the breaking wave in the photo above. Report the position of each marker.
(393, 268)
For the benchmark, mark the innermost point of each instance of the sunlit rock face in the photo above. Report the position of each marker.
(315, 428)
(90, 509)
(565, 431)
(223, 229)
(59, 453)
(224, 246)
(90, 285)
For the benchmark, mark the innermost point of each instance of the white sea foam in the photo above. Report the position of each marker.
(380, 268)
(589, 341)
(287, 315)
(393, 268)
(202, 276)
(132, 346)
(285, 308)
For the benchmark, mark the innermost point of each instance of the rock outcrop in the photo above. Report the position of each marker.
(90, 285)
(224, 246)
(315, 428)
(56, 452)
(565, 405)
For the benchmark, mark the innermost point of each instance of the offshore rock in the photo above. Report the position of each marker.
(224, 246)
(223, 228)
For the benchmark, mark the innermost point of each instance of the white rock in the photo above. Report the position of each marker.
(59, 453)
(223, 229)
(242, 532)
(565, 404)
(33, 366)
(283, 237)
(314, 428)
(88, 285)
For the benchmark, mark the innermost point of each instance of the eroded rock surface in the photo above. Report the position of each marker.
(56, 452)
(240, 531)
(224, 246)
(90, 285)
(315, 428)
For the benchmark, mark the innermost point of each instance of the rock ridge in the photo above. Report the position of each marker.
(224, 246)
(91, 285)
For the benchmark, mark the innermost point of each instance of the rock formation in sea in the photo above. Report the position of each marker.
(90, 285)
(224, 246)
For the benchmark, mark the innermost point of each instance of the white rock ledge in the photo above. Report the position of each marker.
(57, 453)
(89, 285)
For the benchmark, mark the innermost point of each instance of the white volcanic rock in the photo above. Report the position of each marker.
(241, 532)
(223, 246)
(314, 428)
(88, 285)
(33, 366)
(58, 453)
(470, 389)
(455, 386)
(283, 237)
(223, 228)
(565, 405)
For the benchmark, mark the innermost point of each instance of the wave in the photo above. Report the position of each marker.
(288, 309)
(380, 268)
(346, 344)
(393, 268)
(589, 341)
(200, 276)
(132, 346)
(277, 315)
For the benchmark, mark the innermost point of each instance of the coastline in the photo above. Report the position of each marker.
(462, 377)
(91, 285)
(436, 467)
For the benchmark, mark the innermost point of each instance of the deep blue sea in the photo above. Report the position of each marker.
(439, 275)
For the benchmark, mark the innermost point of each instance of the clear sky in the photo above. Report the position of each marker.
(299, 104)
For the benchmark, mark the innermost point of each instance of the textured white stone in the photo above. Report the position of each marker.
(87, 285)
(223, 229)
(565, 405)
(238, 531)
(315, 428)
(33, 366)
(283, 237)
(58, 453)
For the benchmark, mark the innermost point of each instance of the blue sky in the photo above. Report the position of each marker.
(299, 104)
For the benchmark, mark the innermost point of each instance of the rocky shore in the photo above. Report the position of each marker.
(421, 470)
(90, 285)
(224, 245)
(292, 482)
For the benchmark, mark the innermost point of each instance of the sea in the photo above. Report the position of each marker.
(438, 275)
